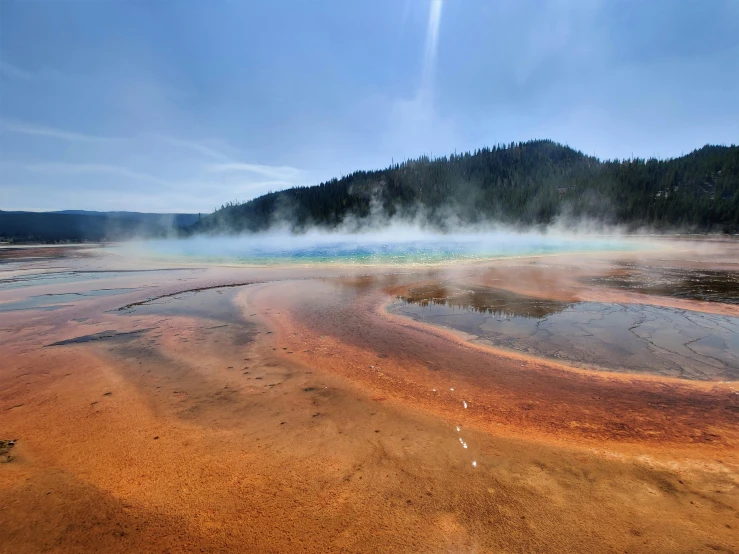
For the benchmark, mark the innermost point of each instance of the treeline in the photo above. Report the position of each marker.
(523, 184)
(80, 226)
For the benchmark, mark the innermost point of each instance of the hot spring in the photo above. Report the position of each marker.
(389, 247)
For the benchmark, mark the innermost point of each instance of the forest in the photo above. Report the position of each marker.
(525, 184)
(538, 182)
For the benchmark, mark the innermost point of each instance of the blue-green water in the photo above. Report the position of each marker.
(385, 248)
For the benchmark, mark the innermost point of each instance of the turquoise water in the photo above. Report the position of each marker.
(386, 248)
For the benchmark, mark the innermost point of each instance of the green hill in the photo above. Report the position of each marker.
(522, 184)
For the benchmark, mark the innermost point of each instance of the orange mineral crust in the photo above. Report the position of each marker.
(193, 408)
(500, 392)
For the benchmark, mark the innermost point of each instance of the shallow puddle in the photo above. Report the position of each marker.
(619, 337)
(495, 302)
(690, 284)
(216, 304)
(66, 277)
(56, 301)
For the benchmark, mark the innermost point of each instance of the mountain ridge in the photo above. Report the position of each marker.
(529, 183)
(83, 225)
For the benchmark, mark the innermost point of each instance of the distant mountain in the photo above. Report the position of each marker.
(525, 183)
(180, 220)
(521, 184)
(81, 225)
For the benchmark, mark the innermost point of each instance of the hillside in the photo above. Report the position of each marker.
(79, 225)
(523, 184)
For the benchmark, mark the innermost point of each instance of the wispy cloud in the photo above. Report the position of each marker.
(241, 190)
(272, 171)
(432, 43)
(13, 71)
(39, 130)
(10, 70)
(195, 169)
(230, 164)
(87, 168)
(196, 147)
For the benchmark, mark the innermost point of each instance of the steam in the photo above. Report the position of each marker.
(432, 42)
(397, 243)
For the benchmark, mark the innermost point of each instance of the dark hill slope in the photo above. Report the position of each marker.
(521, 184)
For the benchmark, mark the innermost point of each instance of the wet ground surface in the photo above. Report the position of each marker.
(73, 277)
(692, 283)
(31, 253)
(617, 337)
(213, 304)
(102, 335)
(488, 301)
(54, 301)
(187, 411)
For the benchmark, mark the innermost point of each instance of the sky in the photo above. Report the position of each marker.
(181, 106)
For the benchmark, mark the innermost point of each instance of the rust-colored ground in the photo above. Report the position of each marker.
(294, 414)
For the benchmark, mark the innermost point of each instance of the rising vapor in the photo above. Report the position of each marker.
(432, 42)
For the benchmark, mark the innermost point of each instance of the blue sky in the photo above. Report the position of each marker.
(183, 105)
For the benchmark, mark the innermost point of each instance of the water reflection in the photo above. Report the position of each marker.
(495, 302)
(690, 284)
(596, 335)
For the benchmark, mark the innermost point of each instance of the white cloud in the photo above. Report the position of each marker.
(31, 129)
(134, 158)
(432, 44)
(196, 147)
(14, 72)
(277, 172)
(87, 168)
(10, 70)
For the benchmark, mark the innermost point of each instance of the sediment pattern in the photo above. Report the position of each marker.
(311, 409)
